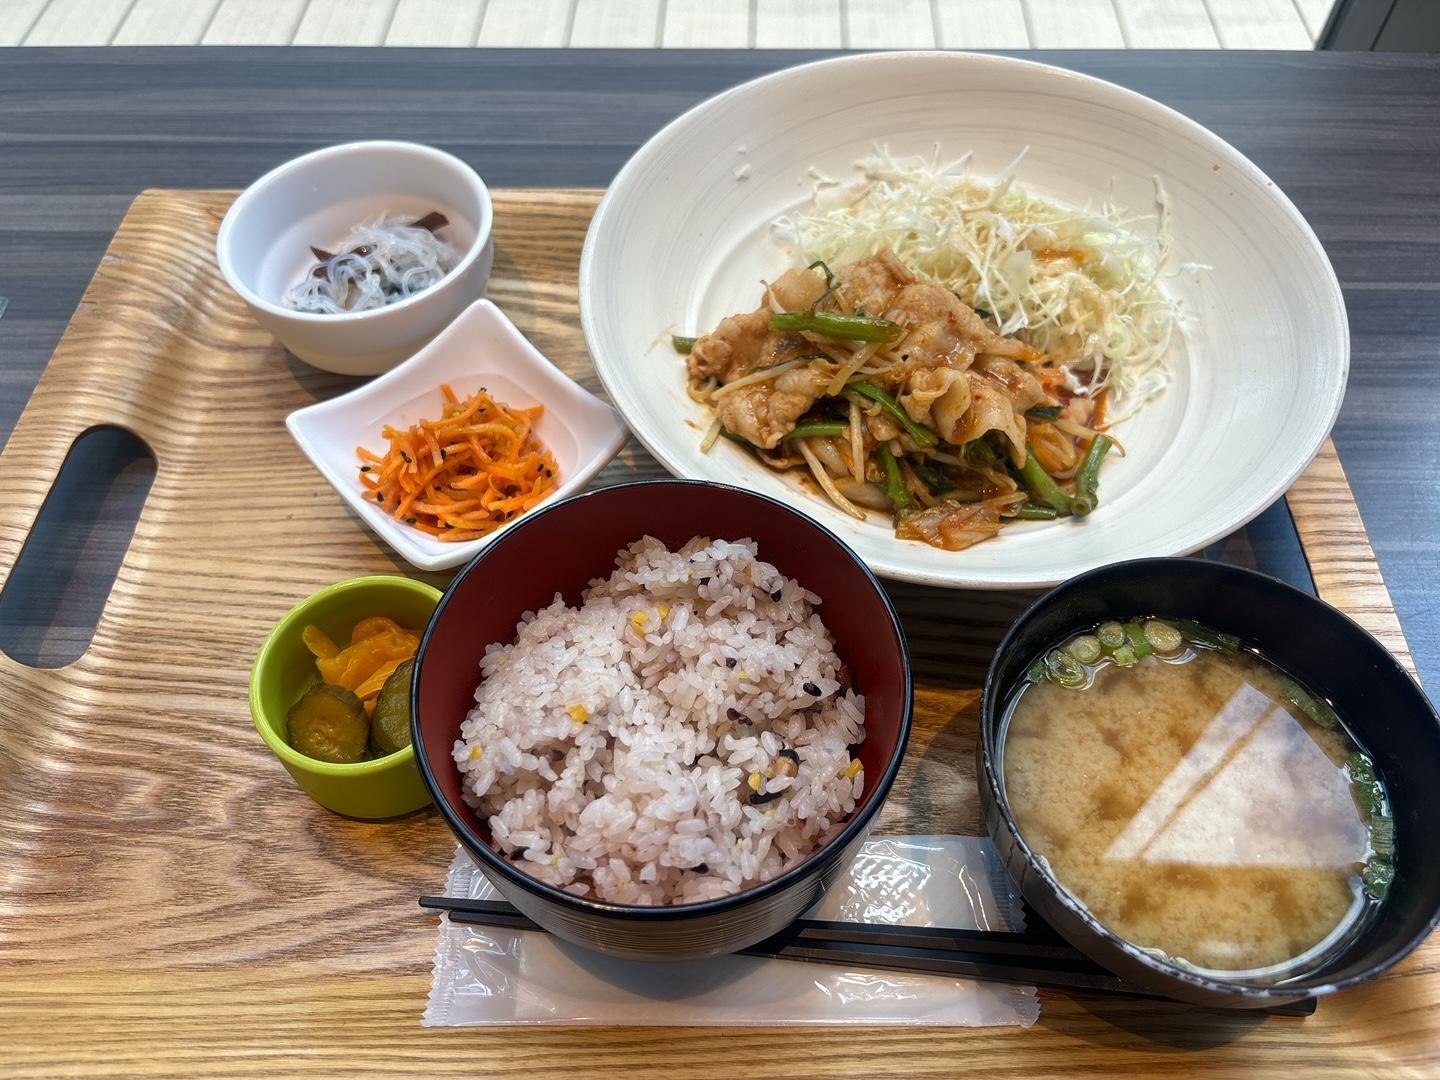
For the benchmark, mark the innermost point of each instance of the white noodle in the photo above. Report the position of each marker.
(403, 260)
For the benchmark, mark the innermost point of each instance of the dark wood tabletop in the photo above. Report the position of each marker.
(1351, 137)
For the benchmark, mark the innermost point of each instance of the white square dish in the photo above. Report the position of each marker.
(480, 348)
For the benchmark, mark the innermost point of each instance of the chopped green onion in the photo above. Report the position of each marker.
(1378, 875)
(1036, 673)
(831, 324)
(1317, 711)
(1163, 637)
(1087, 649)
(728, 434)
(820, 428)
(1197, 634)
(1031, 512)
(682, 344)
(1065, 670)
(1087, 478)
(1360, 766)
(1382, 836)
(1111, 635)
(1138, 642)
(1044, 412)
(894, 482)
(1042, 486)
(922, 437)
(1369, 795)
(1125, 656)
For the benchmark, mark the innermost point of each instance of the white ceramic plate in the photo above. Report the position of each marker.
(682, 238)
(480, 348)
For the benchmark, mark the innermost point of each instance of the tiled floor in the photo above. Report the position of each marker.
(1016, 24)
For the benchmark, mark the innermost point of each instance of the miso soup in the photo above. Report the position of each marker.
(1199, 802)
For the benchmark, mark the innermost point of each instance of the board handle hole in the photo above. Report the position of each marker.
(61, 580)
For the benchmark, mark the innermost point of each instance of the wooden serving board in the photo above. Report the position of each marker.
(172, 905)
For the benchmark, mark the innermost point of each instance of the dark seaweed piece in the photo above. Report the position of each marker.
(760, 798)
(431, 221)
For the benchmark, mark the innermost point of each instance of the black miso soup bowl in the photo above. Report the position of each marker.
(559, 548)
(1314, 643)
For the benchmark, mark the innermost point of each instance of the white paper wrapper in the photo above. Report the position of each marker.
(484, 976)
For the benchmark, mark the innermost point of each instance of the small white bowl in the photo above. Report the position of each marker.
(264, 246)
(480, 348)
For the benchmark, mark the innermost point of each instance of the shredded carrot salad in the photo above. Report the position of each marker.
(464, 475)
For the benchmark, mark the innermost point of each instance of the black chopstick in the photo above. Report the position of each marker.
(819, 930)
(1040, 956)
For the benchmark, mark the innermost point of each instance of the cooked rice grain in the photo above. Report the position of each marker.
(682, 735)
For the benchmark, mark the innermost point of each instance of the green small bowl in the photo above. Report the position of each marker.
(382, 788)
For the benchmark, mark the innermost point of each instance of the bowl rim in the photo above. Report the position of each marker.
(268, 653)
(228, 224)
(887, 562)
(857, 824)
(990, 752)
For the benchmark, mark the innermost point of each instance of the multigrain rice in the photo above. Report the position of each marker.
(687, 732)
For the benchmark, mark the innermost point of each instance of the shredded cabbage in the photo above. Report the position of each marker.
(1080, 284)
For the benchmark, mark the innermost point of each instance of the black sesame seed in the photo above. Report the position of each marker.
(732, 714)
(777, 594)
(702, 868)
(406, 456)
(410, 521)
(730, 661)
(442, 454)
(811, 689)
(379, 496)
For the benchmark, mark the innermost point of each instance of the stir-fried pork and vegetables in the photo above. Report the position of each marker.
(897, 396)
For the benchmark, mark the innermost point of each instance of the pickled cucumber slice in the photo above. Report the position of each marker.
(328, 723)
(390, 729)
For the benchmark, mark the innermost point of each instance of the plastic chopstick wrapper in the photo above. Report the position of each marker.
(485, 976)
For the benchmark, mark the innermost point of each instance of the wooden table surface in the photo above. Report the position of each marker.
(198, 972)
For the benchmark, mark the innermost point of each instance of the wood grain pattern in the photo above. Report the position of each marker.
(171, 905)
(1341, 560)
